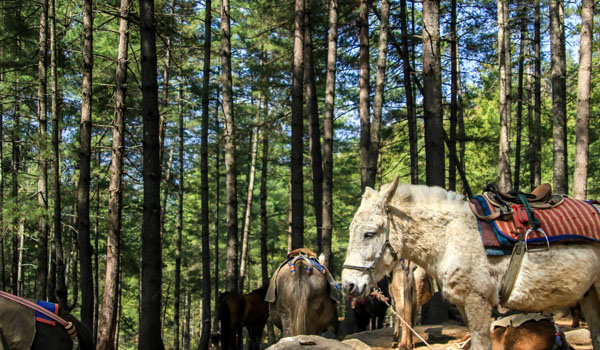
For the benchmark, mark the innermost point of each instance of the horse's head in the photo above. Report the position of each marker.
(370, 255)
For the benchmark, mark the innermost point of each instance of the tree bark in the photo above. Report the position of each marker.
(504, 176)
(264, 227)
(583, 100)
(249, 196)
(535, 175)
(314, 127)
(180, 192)
(453, 97)
(408, 91)
(378, 99)
(230, 160)
(297, 149)
(56, 119)
(328, 135)
(110, 297)
(16, 166)
(520, 94)
(206, 297)
(364, 94)
(560, 176)
(218, 204)
(151, 272)
(432, 95)
(42, 185)
(83, 188)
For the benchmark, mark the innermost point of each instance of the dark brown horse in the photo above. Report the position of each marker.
(300, 297)
(237, 310)
(19, 329)
(56, 337)
(364, 311)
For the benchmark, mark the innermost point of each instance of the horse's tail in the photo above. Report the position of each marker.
(300, 307)
(84, 335)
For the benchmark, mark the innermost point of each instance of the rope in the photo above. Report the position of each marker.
(384, 299)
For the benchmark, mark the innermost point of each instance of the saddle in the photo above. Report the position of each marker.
(540, 198)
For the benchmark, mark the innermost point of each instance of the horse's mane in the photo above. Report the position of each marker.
(406, 193)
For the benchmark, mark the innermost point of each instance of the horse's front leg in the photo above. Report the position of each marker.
(477, 311)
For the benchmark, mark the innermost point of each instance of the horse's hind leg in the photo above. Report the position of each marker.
(590, 306)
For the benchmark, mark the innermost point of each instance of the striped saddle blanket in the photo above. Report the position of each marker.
(572, 220)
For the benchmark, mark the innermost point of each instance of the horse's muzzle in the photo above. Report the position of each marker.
(354, 289)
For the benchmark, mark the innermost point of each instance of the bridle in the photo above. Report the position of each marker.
(386, 244)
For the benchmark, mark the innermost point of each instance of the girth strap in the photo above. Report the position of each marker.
(67, 325)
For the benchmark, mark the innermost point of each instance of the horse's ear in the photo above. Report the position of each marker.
(322, 259)
(388, 192)
(369, 192)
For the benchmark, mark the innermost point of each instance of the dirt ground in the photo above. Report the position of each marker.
(439, 337)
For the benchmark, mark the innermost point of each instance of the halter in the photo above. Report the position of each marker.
(386, 244)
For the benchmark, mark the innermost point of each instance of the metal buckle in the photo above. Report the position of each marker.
(537, 249)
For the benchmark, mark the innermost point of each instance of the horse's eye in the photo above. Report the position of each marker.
(369, 234)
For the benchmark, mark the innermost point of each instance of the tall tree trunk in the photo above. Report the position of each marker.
(180, 187)
(230, 160)
(2, 176)
(461, 125)
(165, 93)
(42, 185)
(56, 120)
(560, 176)
(535, 176)
(16, 156)
(519, 117)
(432, 95)
(453, 97)
(504, 176)
(249, 196)
(217, 206)
(409, 92)
(314, 127)
(364, 94)
(110, 298)
(583, 100)
(296, 168)
(83, 188)
(206, 297)
(151, 275)
(378, 99)
(263, 203)
(328, 135)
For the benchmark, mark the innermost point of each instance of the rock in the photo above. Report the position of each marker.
(579, 336)
(310, 342)
(356, 344)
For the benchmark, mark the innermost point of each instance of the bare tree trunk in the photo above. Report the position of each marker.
(519, 117)
(180, 187)
(249, 196)
(206, 297)
(536, 150)
(583, 100)
(461, 125)
(56, 119)
(408, 91)
(42, 185)
(151, 275)
(263, 203)
(364, 94)
(378, 99)
(504, 180)
(16, 156)
(453, 97)
(432, 95)
(296, 168)
(328, 135)
(110, 297)
(560, 175)
(83, 188)
(217, 205)
(162, 125)
(230, 160)
(314, 128)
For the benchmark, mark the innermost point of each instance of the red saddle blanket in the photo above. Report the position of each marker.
(572, 220)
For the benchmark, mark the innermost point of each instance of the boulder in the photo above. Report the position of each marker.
(310, 342)
(579, 336)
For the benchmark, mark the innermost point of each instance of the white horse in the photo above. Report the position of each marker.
(436, 229)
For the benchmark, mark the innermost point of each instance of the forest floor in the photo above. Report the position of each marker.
(442, 336)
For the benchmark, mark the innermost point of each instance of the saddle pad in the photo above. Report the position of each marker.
(573, 220)
(494, 244)
(52, 307)
(17, 326)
